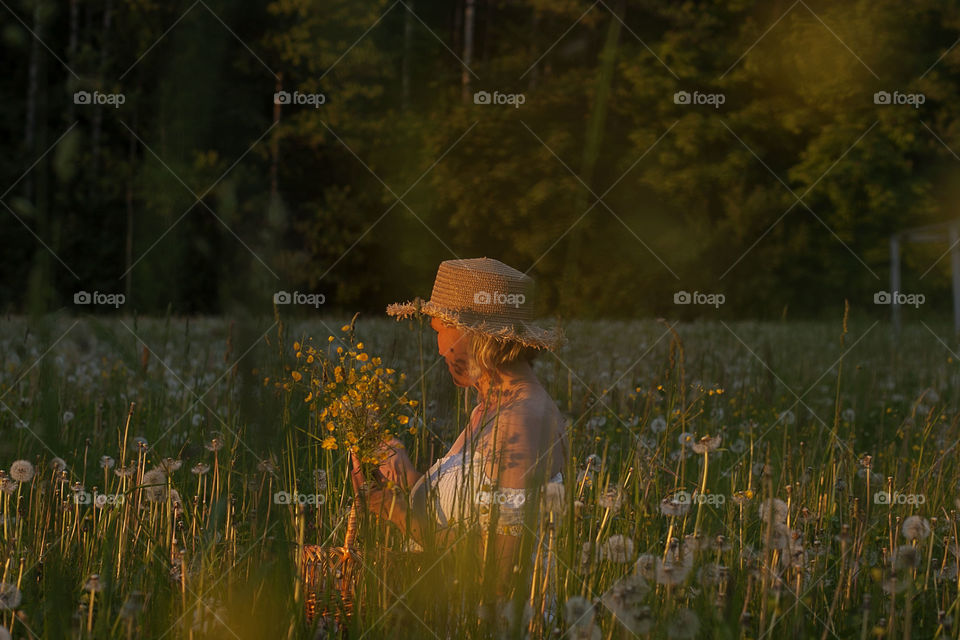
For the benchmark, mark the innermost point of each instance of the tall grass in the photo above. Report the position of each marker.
(160, 447)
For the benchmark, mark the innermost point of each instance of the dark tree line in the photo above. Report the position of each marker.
(200, 194)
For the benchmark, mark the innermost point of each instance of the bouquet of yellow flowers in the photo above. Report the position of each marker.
(352, 398)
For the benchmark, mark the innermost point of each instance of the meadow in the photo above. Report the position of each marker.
(727, 480)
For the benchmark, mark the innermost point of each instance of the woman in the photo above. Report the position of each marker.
(514, 441)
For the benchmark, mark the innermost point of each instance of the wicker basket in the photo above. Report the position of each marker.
(330, 570)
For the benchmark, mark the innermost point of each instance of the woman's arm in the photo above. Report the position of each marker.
(408, 514)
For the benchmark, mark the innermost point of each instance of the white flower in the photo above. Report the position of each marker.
(93, 583)
(782, 537)
(579, 613)
(106, 462)
(658, 424)
(67, 416)
(684, 626)
(266, 466)
(617, 548)
(713, 575)
(773, 509)
(787, 417)
(10, 596)
(625, 601)
(58, 464)
(125, 472)
(906, 557)
(646, 566)
(686, 439)
(611, 499)
(554, 498)
(200, 468)
(916, 528)
(675, 505)
(673, 572)
(706, 444)
(155, 485)
(170, 464)
(21, 471)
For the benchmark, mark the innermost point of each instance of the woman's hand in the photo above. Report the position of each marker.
(378, 499)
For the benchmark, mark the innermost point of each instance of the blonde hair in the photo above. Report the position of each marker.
(487, 354)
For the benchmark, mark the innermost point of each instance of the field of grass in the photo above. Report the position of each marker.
(143, 460)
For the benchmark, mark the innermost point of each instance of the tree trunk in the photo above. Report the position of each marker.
(407, 54)
(98, 113)
(29, 134)
(591, 151)
(72, 50)
(468, 22)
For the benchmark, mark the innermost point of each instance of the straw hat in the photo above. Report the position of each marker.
(485, 296)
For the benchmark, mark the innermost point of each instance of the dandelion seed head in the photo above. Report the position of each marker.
(625, 601)
(915, 528)
(21, 470)
(706, 444)
(685, 625)
(611, 499)
(906, 557)
(106, 462)
(155, 484)
(266, 466)
(93, 583)
(170, 464)
(554, 498)
(617, 548)
(773, 510)
(10, 596)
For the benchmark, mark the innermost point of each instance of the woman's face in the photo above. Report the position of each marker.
(453, 345)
